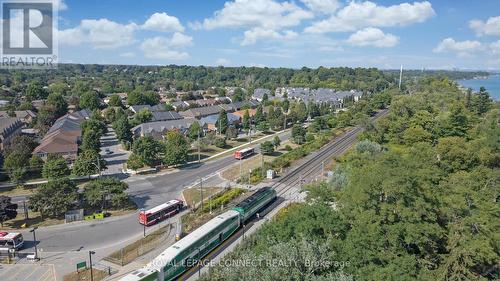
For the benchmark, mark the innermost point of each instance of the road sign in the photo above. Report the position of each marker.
(80, 265)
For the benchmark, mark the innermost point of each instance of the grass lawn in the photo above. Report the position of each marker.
(193, 195)
(84, 274)
(222, 202)
(34, 220)
(140, 247)
(18, 190)
(233, 172)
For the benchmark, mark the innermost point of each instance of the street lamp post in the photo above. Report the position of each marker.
(90, 262)
(34, 241)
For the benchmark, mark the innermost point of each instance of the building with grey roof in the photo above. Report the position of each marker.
(157, 130)
(9, 128)
(165, 116)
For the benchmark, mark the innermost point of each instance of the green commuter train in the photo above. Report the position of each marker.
(186, 252)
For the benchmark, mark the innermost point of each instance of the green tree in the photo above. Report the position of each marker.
(231, 132)
(267, 148)
(298, 134)
(143, 116)
(151, 98)
(54, 198)
(94, 125)
(483, 101)
(98, 192)
(15, 164)
(276, 142)
(8, 210)
(91, 141)
(55, 168)
(176, 148)
(263, 126)
(89, 162)
(259, 115)
(239, 95)
(57, 104)
(90, 100)
(135, 98)
(147, 149)
(115, 100)
(134, 162)
(246, 120)
(416, 134)
(194, 131)
(222, 122)
(122, 129)
(35, 91)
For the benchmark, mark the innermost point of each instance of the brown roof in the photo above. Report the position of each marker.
(241, 113)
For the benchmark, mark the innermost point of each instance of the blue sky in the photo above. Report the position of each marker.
(435, 34)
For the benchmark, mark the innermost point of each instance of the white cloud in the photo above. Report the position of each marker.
(490, 27)
(180, 40)
(262, 18)
(165, 48)
(257, 13)
(101, 34)
(371, 36)
(322, 6)
(163, 22)
(462, 48)
(222, 62)
(358, 15)
(495, 47)
(127, 55)
(60, 5)
(253, 35)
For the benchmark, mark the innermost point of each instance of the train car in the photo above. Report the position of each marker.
(142, 274)
(185, 253)
(250, 206)
(244, 153)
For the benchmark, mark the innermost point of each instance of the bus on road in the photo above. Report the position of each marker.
(241, 154)
(161, 212)
(11, 240)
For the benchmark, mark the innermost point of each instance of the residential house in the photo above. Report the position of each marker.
(154, 108)
(206, 102)
(241, 113)
(210, 122)
(38, 104)
(26, 116)
(166, 116)
(158, 130)
(63, 137)
(9, 128)
(179, 105)
(201, 112)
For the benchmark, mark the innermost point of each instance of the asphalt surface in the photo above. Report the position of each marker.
(147, 191)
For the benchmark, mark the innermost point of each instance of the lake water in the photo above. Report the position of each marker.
(492, 85)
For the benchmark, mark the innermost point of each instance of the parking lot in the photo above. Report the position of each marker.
(27, 272)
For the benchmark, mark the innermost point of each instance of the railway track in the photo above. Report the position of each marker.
(312, 166)
(293, 178)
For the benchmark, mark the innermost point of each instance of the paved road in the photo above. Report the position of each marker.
(146, 191)
(115, 160)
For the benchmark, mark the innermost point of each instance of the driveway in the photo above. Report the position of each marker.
(117, 157)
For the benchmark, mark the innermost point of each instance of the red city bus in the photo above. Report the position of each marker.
(161, 212)
(11, 240)
(240, 154)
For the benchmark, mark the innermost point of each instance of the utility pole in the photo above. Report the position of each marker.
(241, 171)
(90, 260)
(199, 144)
(34, 241)
(262, 164)
(201, 192)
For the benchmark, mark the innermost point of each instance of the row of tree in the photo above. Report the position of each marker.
(415, 200)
